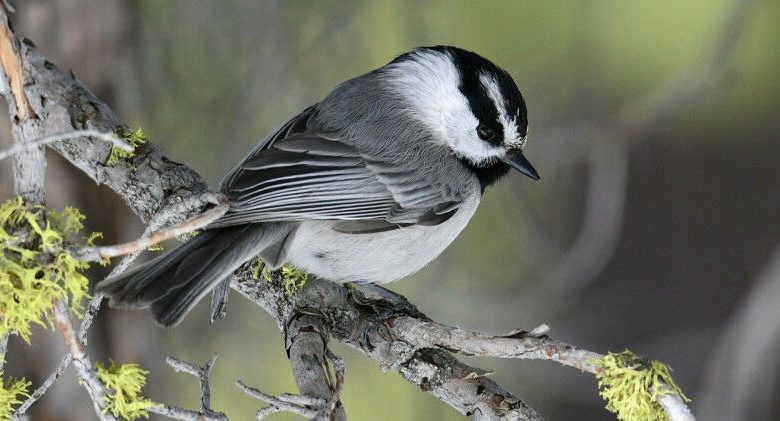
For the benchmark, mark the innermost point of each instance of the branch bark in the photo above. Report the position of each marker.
(206, 413)
(84, 366)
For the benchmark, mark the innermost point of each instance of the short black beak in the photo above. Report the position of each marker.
(516, 160)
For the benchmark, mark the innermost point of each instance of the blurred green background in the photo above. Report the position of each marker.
(653, 228)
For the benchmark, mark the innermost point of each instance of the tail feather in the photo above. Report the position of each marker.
(173, 283)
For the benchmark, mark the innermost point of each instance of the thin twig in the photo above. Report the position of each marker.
(518, 344)
(94, 303)
(177, 413)
(202, 374)
(337, 380)
(44, 387)
(307, 406)
(300, 405)
(157, 221)
(94, 254)
(111, 138)
(84, 367)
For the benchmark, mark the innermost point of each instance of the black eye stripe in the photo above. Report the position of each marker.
(480, 103)
(470, 66)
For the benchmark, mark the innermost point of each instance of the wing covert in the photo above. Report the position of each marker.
(299, 173)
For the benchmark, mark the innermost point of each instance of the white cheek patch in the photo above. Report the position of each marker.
(512, 139)
(430, 84)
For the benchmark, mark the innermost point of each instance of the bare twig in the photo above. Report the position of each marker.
(94, 303)
(337, 380)
(518, 344)
(94, 254)
(111, 138)
(84, 367)
(296, 404)
(44, 387)
(533, 345)
(177, 413)
(157, 221)
(202, 374)
(306, 405)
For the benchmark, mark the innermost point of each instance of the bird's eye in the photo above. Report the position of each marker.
(485, 132)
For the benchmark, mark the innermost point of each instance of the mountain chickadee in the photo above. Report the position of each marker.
(367, 186)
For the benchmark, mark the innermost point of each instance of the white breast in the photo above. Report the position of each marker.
(376, 257)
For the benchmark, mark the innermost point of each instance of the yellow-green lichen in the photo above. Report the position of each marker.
(631, 384)
(37, 271)
(126, 381)
(134, 138)
(9, 395)
(294, 279)
(258, 267)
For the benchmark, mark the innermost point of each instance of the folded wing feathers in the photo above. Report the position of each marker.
(315, 176)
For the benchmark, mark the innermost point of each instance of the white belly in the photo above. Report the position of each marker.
(375, 257)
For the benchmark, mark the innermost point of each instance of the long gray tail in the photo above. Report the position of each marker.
(173, 283)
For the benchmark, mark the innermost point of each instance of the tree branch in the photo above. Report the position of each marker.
(366, 325)
(84, 367)
(44, 387)
(202, 374)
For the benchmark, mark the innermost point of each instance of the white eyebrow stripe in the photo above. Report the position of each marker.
(511, 137)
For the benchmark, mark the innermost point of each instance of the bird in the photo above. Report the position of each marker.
(366, 186)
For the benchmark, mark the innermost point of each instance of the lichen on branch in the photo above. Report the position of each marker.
(631, 385)
(9, 395)
(126, 381)
(134, 138)
(293, 279)
(35, 266)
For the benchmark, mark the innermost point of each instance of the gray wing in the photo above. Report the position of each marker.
(300, 173)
